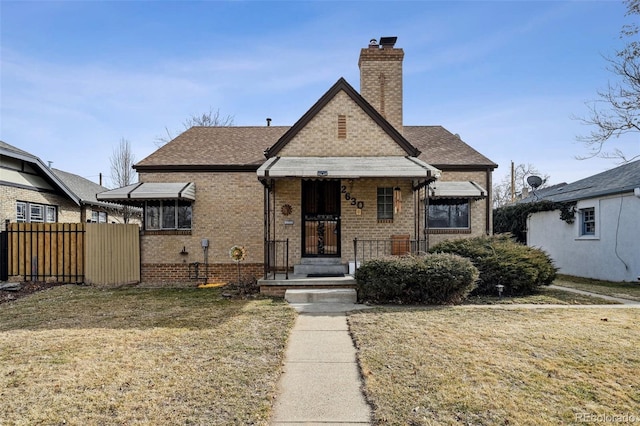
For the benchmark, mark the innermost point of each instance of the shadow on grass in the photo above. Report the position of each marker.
(80, 307)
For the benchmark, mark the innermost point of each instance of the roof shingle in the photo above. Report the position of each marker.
(244, 146)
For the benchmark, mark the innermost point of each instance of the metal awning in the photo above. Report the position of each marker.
(467, 189)
(151, 191)
(347, 167)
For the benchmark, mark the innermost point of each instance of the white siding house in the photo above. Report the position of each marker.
(603, 242)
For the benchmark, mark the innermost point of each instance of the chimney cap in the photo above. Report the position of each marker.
(388, 41)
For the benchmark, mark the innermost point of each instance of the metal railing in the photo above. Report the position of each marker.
(365, 249)
(276, 258)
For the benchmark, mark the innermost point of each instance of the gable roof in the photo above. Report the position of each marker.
(37, 164)
(342, 86)
(618, 180)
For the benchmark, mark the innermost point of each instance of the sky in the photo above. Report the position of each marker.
(510, 77)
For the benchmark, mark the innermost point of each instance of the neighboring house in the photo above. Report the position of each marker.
(30, 191)
(92, 210)
(603, 242)
(347, 169)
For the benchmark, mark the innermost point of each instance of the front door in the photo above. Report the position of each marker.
(321, 218)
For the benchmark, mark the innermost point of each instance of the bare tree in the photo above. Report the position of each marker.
(516, 186)
(122, 172)
(207, 119)
(617, 111)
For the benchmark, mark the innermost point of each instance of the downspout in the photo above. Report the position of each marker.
(489, 210)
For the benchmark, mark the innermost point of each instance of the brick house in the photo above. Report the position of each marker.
(31, 191)
(346, 181)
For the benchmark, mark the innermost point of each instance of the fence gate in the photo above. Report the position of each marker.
(112, 254)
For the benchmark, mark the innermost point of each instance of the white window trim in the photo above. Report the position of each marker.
(587, 204)
(28, 209)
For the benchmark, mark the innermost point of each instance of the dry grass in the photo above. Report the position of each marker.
(81, 356)
(544, 296)
(498, 366)
(608, 288)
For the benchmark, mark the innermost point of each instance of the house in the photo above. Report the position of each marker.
(30, 191)
(348, 180)
(603, 240)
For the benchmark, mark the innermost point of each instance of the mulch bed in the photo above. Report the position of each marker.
(25, 290)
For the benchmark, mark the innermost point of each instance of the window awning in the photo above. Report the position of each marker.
(467, 189)
(346, 167)
(151, 191)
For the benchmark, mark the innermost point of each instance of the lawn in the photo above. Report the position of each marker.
(608, 288)
(82, 356)
(544, 296)
(499, 366)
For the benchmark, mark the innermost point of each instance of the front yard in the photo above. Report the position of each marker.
(499, 365)
(81, 356)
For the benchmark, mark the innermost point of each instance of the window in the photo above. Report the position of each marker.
(588, 221)
(98, 217)
(385, 203)
(36, 213)
(168, 214)
(21, 212)
(39, 213)
(51, 214)
(450, 213)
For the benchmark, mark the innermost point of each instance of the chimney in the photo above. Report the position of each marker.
(381, 78)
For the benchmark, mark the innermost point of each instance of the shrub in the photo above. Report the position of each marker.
(501, 260)
(433, 279)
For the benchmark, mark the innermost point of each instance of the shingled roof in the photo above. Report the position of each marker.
(242, 149)
(619, 180)
(443, 149)
(85, 189)
(223, 148)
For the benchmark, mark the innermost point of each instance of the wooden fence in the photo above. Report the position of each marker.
(73, 252)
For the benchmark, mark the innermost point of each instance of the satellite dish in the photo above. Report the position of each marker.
(534, 181)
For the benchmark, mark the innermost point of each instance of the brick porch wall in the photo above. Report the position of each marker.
(177, 274)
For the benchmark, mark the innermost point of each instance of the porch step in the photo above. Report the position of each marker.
(338, 295)
(320, 266)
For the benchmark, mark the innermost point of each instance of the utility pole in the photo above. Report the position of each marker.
(513, 182)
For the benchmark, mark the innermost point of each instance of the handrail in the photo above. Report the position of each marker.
(369, 249)
(277, 258)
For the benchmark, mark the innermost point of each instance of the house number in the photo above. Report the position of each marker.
(348, 197)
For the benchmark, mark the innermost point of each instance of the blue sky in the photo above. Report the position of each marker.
(78, 76)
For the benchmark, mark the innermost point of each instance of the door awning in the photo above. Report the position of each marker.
(467, 189)
(151, 191)
(347, 167)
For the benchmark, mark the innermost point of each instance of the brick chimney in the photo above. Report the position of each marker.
(381, 78)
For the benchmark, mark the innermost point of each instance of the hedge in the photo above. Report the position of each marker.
(431, 279)
(503, 261)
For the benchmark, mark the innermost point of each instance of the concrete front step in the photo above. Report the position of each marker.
(337, 295)
(320, 266)
(319, 269)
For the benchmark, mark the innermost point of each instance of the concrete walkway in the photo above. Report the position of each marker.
(321, 383)
(601, 296)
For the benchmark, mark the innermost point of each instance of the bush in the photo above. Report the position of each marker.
(501, 260)
(432, 279)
